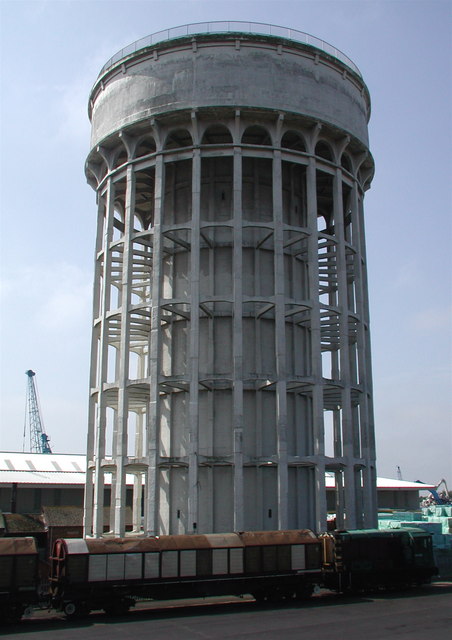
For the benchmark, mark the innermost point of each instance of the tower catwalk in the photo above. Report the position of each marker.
(230, 350)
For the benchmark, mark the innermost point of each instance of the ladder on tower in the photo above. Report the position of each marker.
(39, 440)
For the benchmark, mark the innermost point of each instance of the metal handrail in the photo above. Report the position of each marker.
(259, 28)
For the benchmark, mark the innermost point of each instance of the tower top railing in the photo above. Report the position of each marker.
(258, 28)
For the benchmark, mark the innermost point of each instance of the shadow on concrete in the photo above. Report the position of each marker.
(42, 621)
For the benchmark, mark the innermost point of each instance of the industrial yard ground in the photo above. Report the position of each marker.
(413, 615)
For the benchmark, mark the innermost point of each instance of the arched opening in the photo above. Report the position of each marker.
(103, 170)
(323, 150)
(120, 156)
(145, 146)
(144, 202)
(217, 134)
(256, 135)
(365, 175)
(293, 140)
(346, 163)
(177, 139)
(96, 166)
(93, 174)
(325, 201)
(294, 194)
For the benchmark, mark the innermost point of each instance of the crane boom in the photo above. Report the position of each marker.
(39, 441)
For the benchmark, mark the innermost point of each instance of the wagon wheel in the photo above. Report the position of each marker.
(75, 609)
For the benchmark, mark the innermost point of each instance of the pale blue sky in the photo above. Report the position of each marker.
(51, 54)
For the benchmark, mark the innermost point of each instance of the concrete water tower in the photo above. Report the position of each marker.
(230, 354)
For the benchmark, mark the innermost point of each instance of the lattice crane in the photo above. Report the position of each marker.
(39, 440)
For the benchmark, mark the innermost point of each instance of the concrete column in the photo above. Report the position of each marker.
(193, 366)
(100, 364)
(339, 503)
(88, 502)
(363, 409)
(365, 366)
(137, 482)
(94, 384)
(136, 505)
(120, 455)
(342, 294)
(151, 526)
(316, 356)
(209, 416)
(280, 345)
(237, 342)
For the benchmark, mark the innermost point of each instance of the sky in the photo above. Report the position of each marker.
(51, 54)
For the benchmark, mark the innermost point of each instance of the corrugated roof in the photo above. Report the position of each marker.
(389, 483)
(36, 469)
(386, 483)
(39, 478)
(42, 469)
(53, 462)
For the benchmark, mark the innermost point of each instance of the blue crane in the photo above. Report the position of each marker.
(39, 440)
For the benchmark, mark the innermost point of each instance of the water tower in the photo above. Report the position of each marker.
(230, 370)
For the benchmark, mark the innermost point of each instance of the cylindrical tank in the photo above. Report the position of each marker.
(230, 372)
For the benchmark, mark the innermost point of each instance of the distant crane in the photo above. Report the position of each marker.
(445, 497)
(39, 440)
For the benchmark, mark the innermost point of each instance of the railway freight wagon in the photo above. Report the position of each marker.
(110, 574)
(19, 576)
(369, 559)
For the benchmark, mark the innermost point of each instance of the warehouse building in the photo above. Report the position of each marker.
(33, 482)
